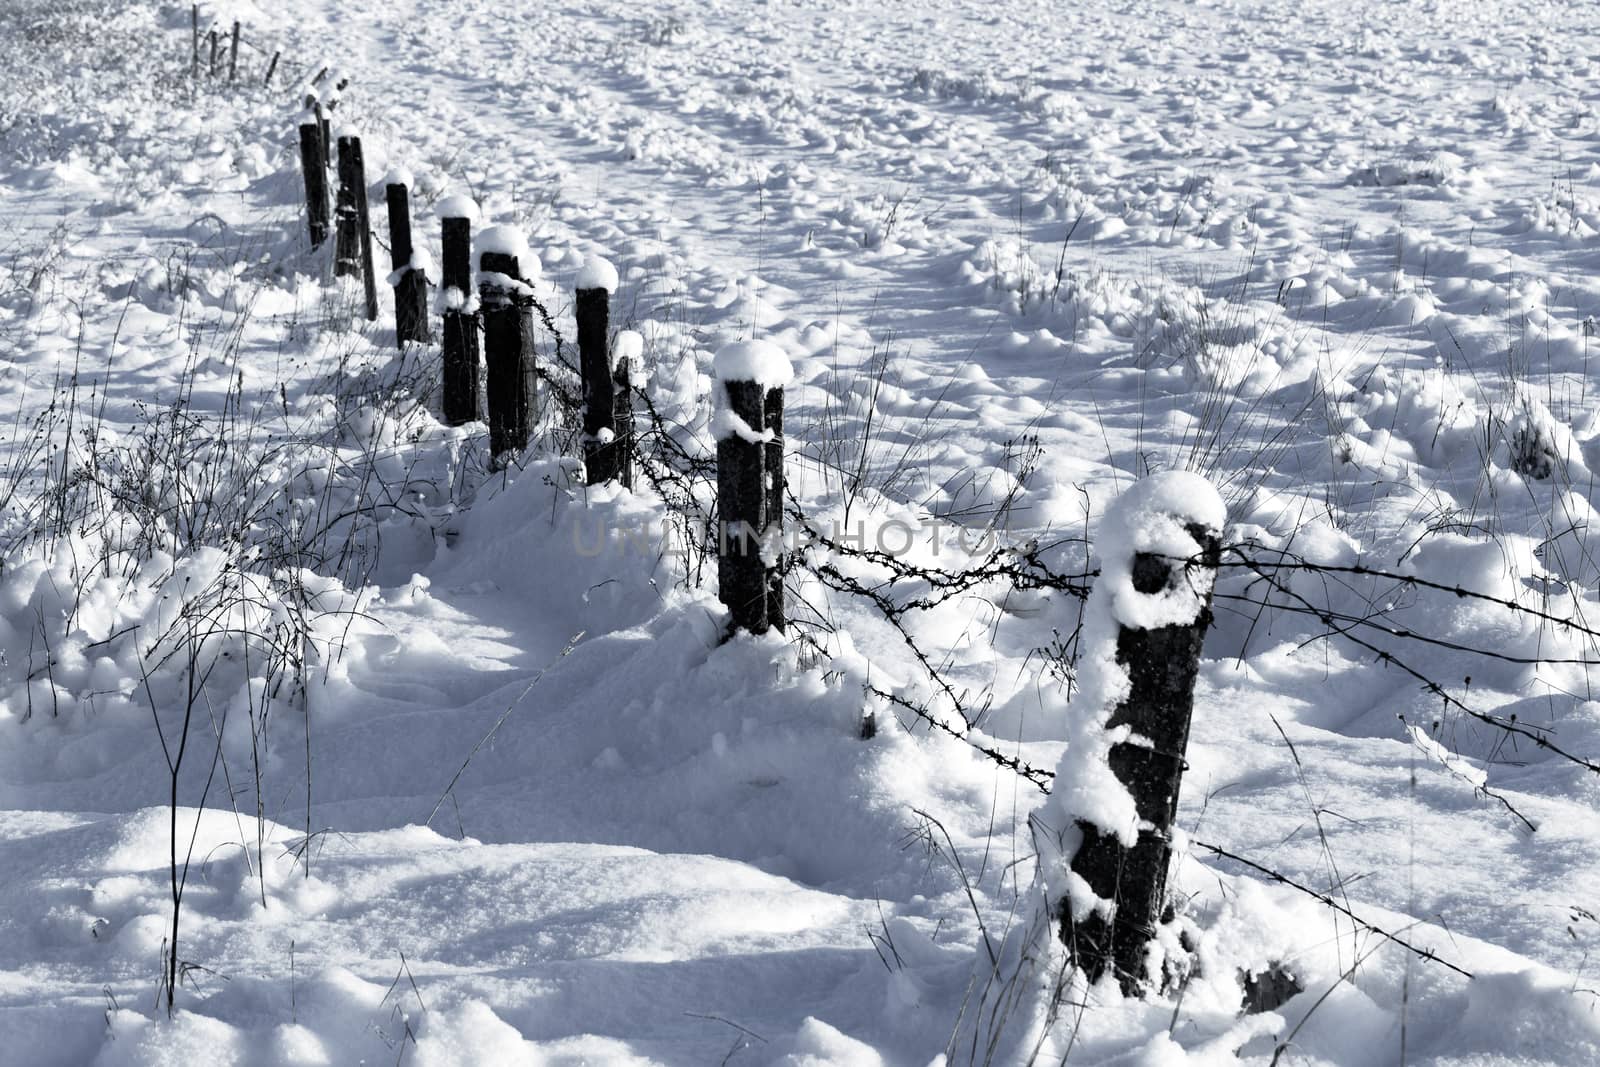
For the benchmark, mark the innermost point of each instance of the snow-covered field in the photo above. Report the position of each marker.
(463, 772)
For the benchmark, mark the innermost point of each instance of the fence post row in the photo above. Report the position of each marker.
(1161, 662)
(748, 431)
(510, 386)
(352, 250)
(409, 279)
(315, 166)
(460, 332)
(604, 452)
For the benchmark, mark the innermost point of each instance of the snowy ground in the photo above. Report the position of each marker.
(1341, 258)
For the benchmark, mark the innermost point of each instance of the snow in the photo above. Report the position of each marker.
(597, 273)
(1012, 283)
(458, 206)
(507, 241)
(399, 175)
(763, 362)
(628, 346)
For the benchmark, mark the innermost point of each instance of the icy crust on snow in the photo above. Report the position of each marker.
(459, 206)
(762, 362)
(597, 273)
(1150, 516)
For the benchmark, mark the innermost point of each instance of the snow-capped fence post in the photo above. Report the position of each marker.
(460, 386)
(602, 452)
(749, 373)
(352, 250)
(319, 115)
(315, 165)
(1116, 787)
(233, 53)
(410, 281)
(505, 266)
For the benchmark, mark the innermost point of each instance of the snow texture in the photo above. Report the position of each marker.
(629, 346)
(507, 241)
(1342, 261)
(459, 206)
(763, 362)
(597, 273)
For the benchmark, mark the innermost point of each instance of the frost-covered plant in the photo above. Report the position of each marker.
(659, 30)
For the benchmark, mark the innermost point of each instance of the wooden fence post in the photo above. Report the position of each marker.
(459, 399)
(410, 279)
(602, 453)
(213, 38)
(320, 114)
(233, 55)
(315, 166)
(194, 56)
(749, 372)
(1161, 547)
(510, 385)
(777, 613)
(352, 250)
(627, 353)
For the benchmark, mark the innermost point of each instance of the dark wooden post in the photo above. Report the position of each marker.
(194, 56)
(602, 454)
(510, 384)
(213, 37)
(777, 614)
(749, 373)
(320, 113)
(233, 55)
(1161, 664)
(410, 282)
(741, 509)
(352, 252)
(315, 166)
(627, 352)
(459, 399)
